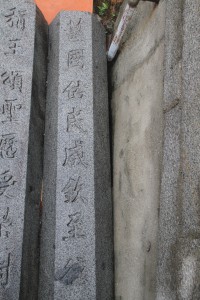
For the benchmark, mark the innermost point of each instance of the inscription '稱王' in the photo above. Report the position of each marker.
(15, 18)
(14, 47)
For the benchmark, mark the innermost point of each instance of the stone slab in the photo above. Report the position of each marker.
(76, 240)
(22, 95)
(137, 110)
(179, 252)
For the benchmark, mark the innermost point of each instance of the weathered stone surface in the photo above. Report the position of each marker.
(179, 251)
(22, 94)
(141, 43)
(137, 107)
(76, 241)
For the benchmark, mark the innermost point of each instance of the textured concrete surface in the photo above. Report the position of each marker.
(76, 240)
(137, 106)
(179, 250)
(21, 134)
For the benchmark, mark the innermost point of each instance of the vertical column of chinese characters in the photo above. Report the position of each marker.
(75, 160)
(11, 89)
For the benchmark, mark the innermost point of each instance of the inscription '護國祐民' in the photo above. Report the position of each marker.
(74, 90)
(74, 30)
(74, 121)
(76, 58)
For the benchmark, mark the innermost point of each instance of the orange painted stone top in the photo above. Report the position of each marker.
(50, 8)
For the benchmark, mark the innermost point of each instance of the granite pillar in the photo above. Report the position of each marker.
(76, 239)
(22, 92)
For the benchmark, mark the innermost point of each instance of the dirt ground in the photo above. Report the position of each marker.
(108, 12)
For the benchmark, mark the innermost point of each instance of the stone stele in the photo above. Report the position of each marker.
(76, 239)
(22, 93)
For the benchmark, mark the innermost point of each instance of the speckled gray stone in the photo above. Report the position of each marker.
(179, 250)
(76, 239)
(22, 94)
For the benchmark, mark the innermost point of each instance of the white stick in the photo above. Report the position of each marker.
(128, 12)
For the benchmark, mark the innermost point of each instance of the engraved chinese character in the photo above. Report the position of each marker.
(6, 182)
(75, 155)
(76, 58)
(5, 224)
(9, 110)
(14, 46)
(75, 227)
(74, 121)
(7, 146)
(74, 90)
(4, 270)
(74, 30)
(73, 191)
(16, 18)
(73, 270)
(13, 80)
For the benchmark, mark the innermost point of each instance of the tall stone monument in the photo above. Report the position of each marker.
(179, 250)
(76, 239)
(22, 93)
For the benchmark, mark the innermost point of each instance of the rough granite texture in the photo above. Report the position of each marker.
(179, 241)
(137, 108)
(76, 239)
(22, 100)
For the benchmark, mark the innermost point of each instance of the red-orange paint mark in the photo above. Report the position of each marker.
(50, 8)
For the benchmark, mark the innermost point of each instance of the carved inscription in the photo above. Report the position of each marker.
(16, 18)
(5, 224)
(6, 182)
(75, 156)
(74, 30)
(73, 270)
(10, 110)
(75, 227)
(74, 90)
(73, 191)
(8, 146)
(76, 58)
(4, 270)
(74, 121)
(14, 47)
(13, 80)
